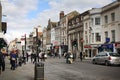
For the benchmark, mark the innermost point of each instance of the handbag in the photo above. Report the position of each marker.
(13, 59)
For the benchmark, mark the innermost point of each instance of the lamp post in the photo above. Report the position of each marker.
(37, 43)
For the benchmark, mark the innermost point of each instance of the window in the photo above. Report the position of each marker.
(86, 25)
(77, 20)
(106, 34)
(113, 35)
(85, 32)
(98, 37)
(106, 19)
(86, 39)
(112, 16)
(92, 37)
(92, 21)
(97, 21)
(73, 22)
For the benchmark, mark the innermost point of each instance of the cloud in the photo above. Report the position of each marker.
(20, 23)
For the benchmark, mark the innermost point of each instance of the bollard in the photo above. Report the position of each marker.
(39, 71)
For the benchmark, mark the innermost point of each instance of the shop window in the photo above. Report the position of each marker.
(113, 35)
(98, 37)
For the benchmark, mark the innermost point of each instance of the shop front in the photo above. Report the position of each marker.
(106, 47)
(87, 50)
(117, 47)
(91, 50)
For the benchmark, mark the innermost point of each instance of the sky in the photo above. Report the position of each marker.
(23, 15)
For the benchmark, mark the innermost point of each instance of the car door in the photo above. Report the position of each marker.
(99, 57)
(103, 57)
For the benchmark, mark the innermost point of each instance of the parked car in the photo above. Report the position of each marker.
(107, 58)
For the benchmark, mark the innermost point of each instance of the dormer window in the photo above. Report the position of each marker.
(77, 20)
(73, 22)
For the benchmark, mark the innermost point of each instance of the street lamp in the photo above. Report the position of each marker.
(37, 43)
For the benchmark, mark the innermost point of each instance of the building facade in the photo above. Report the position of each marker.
(44, 38)
(95, 30)
(3, 29)
(111, 27)
(75, 34)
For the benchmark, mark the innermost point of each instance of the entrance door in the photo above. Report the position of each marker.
(89, 52)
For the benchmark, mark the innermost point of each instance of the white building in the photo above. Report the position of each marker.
(111, 26)
(95, 30)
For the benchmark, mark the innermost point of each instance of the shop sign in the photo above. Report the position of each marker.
(107, 46)
(56, 47)
(117, 45)
(107, 40)
(87, 46)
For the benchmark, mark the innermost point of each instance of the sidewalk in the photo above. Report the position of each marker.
(25, 72)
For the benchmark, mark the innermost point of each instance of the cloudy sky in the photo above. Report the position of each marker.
(23, 15)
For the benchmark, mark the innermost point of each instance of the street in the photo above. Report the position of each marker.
(80, 71)
(57, 69)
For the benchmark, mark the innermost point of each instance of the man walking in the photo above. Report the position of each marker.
(2, 62)
(81, 55)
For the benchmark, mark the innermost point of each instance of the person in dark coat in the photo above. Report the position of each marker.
(2, 62)
(81, 55)
(32, 57)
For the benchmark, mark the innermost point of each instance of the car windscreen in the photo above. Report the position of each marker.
(114, 54)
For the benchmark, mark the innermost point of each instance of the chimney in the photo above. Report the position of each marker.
(61, 14)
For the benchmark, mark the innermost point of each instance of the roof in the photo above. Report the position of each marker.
(72, 14)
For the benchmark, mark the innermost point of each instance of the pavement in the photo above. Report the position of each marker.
(25, 72)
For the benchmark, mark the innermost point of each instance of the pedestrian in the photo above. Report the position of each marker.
(74, 56)
(27, 56)
(67, 55)
(31, 57)
(20, 59)
(34, 57)
(81, 55)
(40, 55)
(2, 62)
(43, 56)
(13, 57)
(24, 57)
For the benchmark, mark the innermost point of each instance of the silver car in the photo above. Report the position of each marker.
(107, 58)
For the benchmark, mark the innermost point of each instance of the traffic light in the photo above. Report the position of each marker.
(74, 43)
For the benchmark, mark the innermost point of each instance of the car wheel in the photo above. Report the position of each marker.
(106, 63)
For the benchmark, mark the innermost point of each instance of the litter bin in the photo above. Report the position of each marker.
(39, 71)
